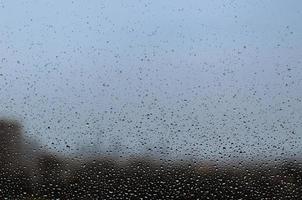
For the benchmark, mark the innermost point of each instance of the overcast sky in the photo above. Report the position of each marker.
(197, 78)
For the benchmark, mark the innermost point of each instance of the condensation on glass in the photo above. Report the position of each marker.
(150, 99)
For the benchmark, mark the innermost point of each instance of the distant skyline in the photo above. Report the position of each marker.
(201, 79)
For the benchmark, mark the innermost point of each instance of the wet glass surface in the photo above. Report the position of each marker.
(150, 99)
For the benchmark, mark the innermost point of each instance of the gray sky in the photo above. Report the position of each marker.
(198, 78)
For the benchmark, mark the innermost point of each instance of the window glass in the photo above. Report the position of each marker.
(150, 99)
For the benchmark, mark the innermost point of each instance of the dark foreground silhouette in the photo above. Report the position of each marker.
(47, 176)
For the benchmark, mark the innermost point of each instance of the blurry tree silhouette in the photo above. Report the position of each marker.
(54, 177)
(14, 180)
